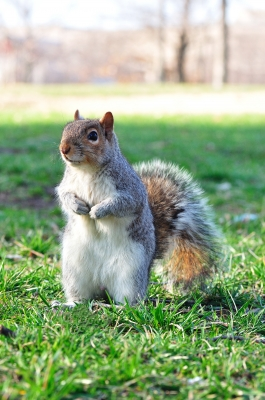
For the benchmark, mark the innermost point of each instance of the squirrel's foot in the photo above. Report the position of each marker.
(68, 304)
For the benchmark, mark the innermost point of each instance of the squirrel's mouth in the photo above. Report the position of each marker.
(71, 161)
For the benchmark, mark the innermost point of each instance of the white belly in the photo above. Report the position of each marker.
(98, 254)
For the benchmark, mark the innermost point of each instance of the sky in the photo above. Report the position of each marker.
(112, 14)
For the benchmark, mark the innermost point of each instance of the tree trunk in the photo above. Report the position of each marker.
(183, 43)
(27, 56)
(224, 42)
(181, 57)
(220, 68)
(161, 42)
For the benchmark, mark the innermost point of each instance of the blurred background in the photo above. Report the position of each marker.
(124, 41)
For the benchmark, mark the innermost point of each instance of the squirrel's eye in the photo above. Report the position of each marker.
(93, 136)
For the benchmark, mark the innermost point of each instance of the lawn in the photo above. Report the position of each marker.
(204, 344)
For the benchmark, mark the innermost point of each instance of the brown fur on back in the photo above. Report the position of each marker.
(161, 192)
(186, 236)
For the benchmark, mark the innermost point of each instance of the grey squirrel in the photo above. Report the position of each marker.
(120, 219)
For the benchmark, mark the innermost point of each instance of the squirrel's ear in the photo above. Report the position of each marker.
(107, 122)
(77, 115)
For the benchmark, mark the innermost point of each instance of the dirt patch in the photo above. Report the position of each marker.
(32, 202)
(10, 150)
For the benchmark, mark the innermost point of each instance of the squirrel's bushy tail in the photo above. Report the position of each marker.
(185, 234)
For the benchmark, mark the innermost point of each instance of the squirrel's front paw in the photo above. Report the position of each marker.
(97, 212)
(75, 204)
(80, 207)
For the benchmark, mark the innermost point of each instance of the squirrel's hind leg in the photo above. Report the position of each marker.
(130, 278)
(77, 269)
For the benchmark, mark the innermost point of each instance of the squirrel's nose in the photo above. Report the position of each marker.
(65, 148)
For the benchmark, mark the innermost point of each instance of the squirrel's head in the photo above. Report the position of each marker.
(87, 141)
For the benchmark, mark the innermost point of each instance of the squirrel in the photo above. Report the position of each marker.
(121, 219)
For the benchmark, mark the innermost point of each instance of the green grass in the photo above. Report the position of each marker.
(177, 346)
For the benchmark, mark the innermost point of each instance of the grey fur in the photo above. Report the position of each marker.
(128, 202)
(124, 205)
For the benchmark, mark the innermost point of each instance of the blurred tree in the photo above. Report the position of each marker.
(161, 40)
(183, 41)
(27, 52)
(220, 69)
(156, 16)
(151, 15)
(224, 76)
(24, 10)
